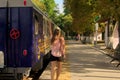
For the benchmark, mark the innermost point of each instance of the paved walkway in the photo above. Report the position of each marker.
(85, 63)
(90, 64)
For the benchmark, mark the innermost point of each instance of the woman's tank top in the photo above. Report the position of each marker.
(56, 48)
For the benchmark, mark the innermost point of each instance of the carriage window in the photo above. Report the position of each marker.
(45, 27)
(48, 31)
(36, 25)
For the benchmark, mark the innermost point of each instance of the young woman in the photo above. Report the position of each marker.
(57, 53)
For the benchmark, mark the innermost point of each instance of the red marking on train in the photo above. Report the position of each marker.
(24, 52)
(14, 34)
(25, 2)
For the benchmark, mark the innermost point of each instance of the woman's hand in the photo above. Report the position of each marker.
(64, 56)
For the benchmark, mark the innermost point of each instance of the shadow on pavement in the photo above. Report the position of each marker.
(81, 56)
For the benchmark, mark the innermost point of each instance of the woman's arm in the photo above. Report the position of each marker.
(63, 46)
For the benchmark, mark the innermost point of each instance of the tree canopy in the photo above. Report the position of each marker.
(81, 13)
(84, 12)
(51, 8)
(40, 5)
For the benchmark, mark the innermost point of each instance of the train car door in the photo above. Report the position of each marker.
(19, 48)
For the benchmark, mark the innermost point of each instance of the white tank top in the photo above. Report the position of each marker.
(56, 48)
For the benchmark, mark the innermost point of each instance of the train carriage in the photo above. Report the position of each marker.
(25, 34)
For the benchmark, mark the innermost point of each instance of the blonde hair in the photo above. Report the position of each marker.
(55, 33)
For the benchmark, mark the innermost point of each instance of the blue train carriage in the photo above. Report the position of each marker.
(45, 31)
(24, 37)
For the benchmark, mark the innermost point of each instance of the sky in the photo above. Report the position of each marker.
(60, 5)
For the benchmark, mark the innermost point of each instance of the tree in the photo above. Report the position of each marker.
(48, 7)
(110, 11)
(39, 4)
(68, 24)
(107, 8)
(81, 12)
(51, 8)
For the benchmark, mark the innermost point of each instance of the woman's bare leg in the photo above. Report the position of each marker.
(53, 65)
(59, 67)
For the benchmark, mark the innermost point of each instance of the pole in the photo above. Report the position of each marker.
(96, 39)
(96, 29)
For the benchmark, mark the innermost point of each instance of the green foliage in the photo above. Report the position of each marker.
(64, 21)
(107, 8)
(51, 8)
(85, 11)
(67, 22)
(59, 20)
(80, 11)
(47, 6)
(40, 5)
